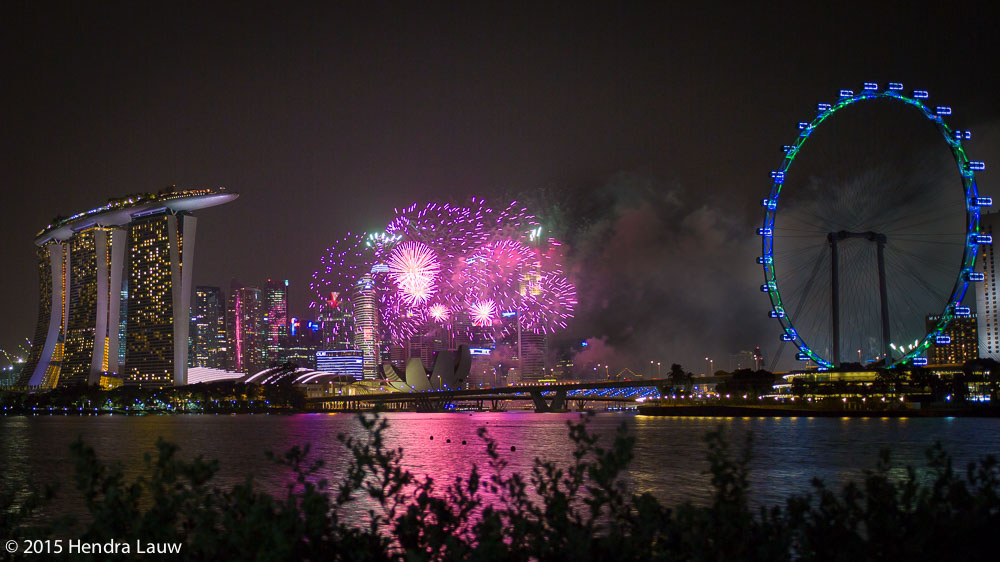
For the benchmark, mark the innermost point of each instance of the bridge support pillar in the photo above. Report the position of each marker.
(558, 401)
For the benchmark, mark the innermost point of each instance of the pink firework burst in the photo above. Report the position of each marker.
(439, 312)
(483, 312)
(414, 268)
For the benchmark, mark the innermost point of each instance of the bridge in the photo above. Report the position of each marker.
(544, 397)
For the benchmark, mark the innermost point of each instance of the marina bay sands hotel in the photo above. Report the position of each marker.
(115, 289)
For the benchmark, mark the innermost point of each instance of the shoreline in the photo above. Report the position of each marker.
(706, 410)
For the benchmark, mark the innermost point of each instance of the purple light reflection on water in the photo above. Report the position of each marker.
(670, 452)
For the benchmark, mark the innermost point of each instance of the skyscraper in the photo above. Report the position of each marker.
(115, 285)
(276, 301)
(336, 323)
(987, 324)
(246, 328)
(208, 329)
(365, 305)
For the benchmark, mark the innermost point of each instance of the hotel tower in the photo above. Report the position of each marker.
(115, 291)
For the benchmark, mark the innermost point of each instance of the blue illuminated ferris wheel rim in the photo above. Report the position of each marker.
(973, 202)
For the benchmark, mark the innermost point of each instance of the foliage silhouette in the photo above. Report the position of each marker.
(583, 511)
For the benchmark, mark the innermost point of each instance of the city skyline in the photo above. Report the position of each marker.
(656, 126)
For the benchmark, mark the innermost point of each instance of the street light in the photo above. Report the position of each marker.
(711, 366)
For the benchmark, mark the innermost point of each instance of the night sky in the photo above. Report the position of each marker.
(643, 135)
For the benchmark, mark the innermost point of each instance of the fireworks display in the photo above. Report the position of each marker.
(414, 268)
(483, 313)
(454, 267)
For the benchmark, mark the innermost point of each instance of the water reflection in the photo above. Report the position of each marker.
(670, 452)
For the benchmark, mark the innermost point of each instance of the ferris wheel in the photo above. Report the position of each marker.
(877, 259)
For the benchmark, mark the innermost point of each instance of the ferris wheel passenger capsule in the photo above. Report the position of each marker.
(984, 201)
(983, 238)
(764, 231)
(895, 86)
(942, 339)
(976, 276)
(920, 361)
(963, 311)
(823, 107)
(977, 165)
(786, 337)
(764, 259)
(871, 86)
(777, 313)
(846, 93)
(963, 135)
(921, 94)
(770, 204)
(942, 110)
(802, 356)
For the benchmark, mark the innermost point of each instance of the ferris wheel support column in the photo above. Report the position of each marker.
(884, 296)
(835, 294)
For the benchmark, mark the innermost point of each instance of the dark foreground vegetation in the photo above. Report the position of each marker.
(582, 511)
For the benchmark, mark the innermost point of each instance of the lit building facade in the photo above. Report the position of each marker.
(336, 323)
(114, 293)
(208, 329)
(987, 322)
(346, 362)
(45, 356)
(365, 304)
(531, 352)
(246, 328)
(964, 344)
(94, 273)
(276, 316)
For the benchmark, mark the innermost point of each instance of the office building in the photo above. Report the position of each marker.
(987, 324)
(365, 337)
(208, 329)
(246, 328)
(276, 317)
(344, 362)
(963, 345)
